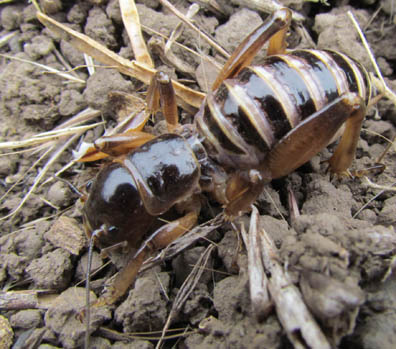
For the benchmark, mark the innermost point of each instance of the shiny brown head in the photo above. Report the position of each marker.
(114, 205)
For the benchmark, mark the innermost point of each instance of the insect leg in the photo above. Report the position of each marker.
(274, 27)
(314, 133)
(159, 239)
(242, 191)
(345, 151)
(161, 94)
(115, 145)
(277, 43)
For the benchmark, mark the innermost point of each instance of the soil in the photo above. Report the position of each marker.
(340, 250)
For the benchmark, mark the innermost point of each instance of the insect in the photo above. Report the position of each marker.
(259, 123)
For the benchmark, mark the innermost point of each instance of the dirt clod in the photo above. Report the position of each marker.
(100, 84)
(231, 34)
(68, 234)
(145, 307)
(30, 318)
(100, 28)
(51, 271)
(62, 317)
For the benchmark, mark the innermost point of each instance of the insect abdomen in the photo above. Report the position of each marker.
(247, 115)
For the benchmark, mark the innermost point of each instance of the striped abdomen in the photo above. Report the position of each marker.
(247, 115)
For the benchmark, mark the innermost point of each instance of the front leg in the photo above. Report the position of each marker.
(242, 191)
(160, 95)
(161, 238)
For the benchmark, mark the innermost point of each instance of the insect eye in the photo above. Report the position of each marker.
(88, 185)
(112, 230)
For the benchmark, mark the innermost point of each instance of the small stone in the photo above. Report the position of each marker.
(34, 112)
(15, 265)
(68, 234)
(206, 74)
(323, 196)
(113, 11)
(335, 33)
(213, 326)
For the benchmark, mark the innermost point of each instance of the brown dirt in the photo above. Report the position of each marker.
(340, 251)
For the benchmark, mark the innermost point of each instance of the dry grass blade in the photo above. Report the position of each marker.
(44, 137)
(90, 64)
(189, 50)
(379, 84)
(149, 336)
(187, 21)
(49, 69)
(131, 21)
(186, 289)
(85, 115)
(158, 45)
(375, 186)
(192, 11)
(7, 37)
(43, 172)
(104, 55)
(26, 173)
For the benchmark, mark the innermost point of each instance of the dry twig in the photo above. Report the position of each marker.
(300, 326)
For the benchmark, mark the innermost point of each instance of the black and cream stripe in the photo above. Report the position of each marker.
(247, 115)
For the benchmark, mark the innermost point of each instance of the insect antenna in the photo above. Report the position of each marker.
(94, 234)
(73, 188)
